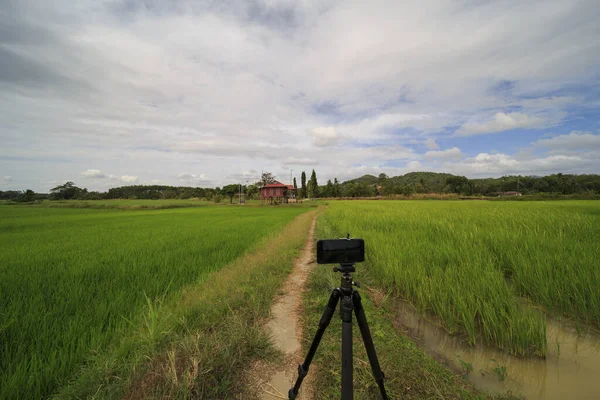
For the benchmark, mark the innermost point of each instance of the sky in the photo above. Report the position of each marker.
(206, 93)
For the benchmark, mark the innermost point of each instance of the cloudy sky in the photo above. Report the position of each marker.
(207, 92)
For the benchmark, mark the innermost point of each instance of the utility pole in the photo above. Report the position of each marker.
(291, 171)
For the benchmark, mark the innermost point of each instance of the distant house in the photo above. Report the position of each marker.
(504, 194)
(277, 192)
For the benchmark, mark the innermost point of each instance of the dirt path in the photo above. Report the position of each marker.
(273, 381)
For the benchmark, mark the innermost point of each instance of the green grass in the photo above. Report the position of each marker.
(127, 203)
(467, 262)
(200, 343)
(124, 204)
(71, 280)
(143, 204)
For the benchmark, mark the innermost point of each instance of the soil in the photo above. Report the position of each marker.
(273, 380)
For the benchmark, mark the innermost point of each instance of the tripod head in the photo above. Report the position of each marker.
(345, 268)
(346, 281)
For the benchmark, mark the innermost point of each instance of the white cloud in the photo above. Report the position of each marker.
(249, 176)
(572, 141)
(129, 179)
(454, 152)
(324, 136)
(97, 174)
(93, 173)
(489, 165)
(431, 144)
(384, 121)
(501, 122)
(8, 178)
(202, 179)
(492, 162)
(101, 84)
(414, 166)
(300, 161)
(191, 177)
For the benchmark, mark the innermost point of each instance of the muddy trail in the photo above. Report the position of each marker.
(273, 380)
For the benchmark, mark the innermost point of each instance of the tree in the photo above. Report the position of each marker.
(94, 196)
(389, 189)
(10, 194)
(230, 190)
(382, 178)
(407, 190)
(328, 191)
(27, 196)
(313, 185)
(295, 185)
(458, 184)
(423, 186)
(303, 183)
(169, 194)
(252, 191)
(360, 189)
(266, 178)
(67, 191)
(337, 191)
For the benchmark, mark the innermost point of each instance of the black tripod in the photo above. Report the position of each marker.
(350, 301)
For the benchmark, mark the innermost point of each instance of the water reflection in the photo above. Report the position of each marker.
(570, 370)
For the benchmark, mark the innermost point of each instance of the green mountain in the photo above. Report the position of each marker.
(432, 181)
(368, 179)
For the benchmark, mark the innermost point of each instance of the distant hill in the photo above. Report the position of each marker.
(433, 181)
(368, 179)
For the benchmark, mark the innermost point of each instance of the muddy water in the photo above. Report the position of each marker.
(571, 369)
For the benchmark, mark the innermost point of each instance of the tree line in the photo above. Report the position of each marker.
(365, 186)
(433, 182)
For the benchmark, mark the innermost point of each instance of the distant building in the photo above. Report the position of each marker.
(277, 192)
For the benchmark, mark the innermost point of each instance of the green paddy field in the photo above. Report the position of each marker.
(76, 278)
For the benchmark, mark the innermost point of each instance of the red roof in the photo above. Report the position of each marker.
(275, 184)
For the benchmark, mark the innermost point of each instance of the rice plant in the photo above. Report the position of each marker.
(467, 262)
(71, 279)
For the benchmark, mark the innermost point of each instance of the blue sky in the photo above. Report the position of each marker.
(192, 92)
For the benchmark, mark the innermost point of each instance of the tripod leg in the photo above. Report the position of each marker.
(347, 367)
(361, 318)
(323, 323)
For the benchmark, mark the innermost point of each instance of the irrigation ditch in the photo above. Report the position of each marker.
(570, 369)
